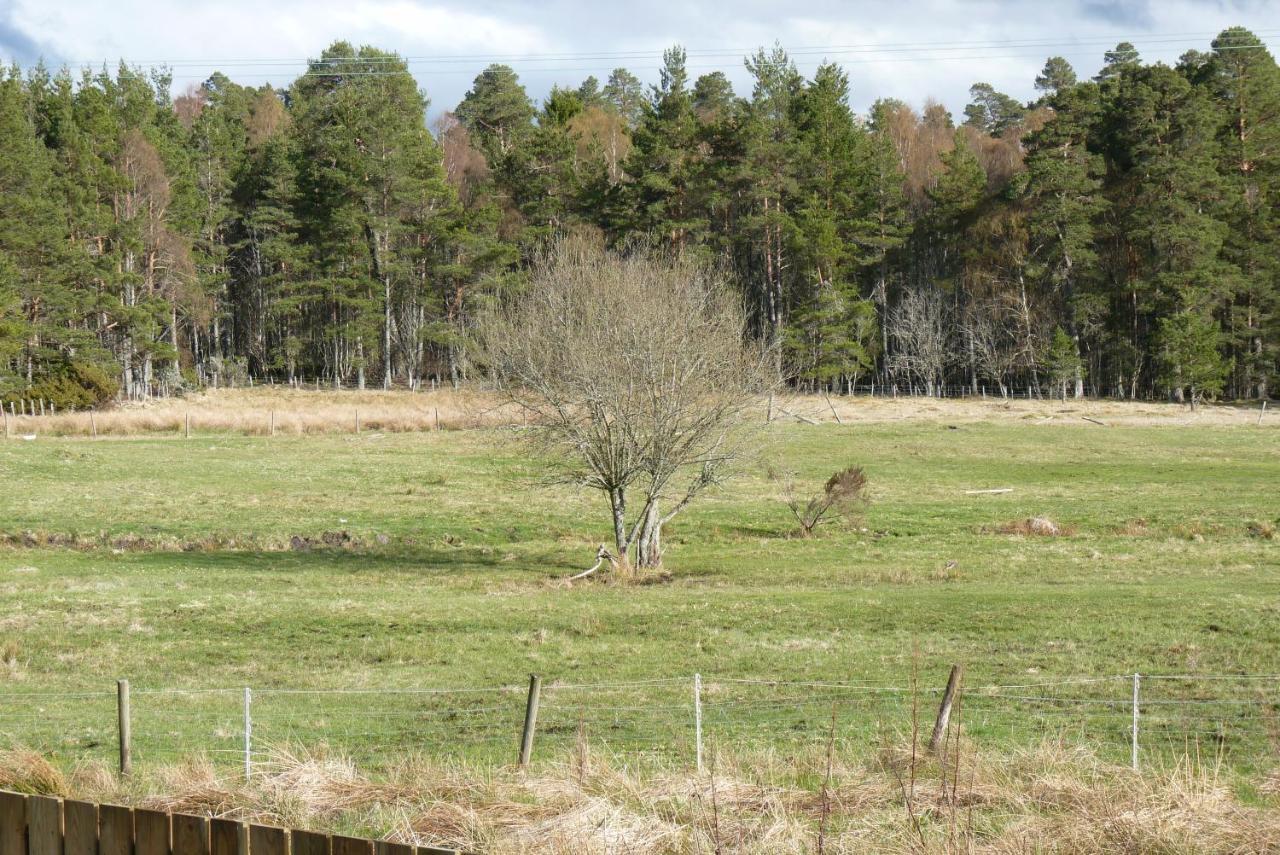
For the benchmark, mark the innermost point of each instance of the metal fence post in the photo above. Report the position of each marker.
(1137, 681)
(697, 718)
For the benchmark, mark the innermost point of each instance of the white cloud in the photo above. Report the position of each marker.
(921, 43)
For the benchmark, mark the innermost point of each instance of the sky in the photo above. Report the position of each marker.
(910, 49)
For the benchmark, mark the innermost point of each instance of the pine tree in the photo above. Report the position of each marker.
(1244, 79)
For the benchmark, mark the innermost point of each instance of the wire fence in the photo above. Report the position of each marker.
(1236, 717)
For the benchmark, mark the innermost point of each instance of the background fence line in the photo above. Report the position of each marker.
(1120, 715)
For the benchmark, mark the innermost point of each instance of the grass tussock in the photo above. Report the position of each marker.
(1035, 527)
(1050, 799)
(26, 771)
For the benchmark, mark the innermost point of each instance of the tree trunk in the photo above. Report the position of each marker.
(649, 544)
(618, 504)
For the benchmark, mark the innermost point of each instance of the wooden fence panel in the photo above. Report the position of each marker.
(227, 837)
(151, 832)
(13, 822)
(80, 824)
(351, 846)
(384, 847)
(267, 840)
(44, 825)
(115, 830)
(190, 835)
(309, 843)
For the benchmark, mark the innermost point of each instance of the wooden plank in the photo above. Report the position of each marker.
(386, 847)
(80, 824)
(309, 843)
(228, 837)
(115, 830)
(436, 850)
(351, 846)
(190, 835)
(44, 825)
(13, 823)
(151, 832)
(267, 840)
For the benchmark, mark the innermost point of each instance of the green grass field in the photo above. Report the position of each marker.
(183, 579)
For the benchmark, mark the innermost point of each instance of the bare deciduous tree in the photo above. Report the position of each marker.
(636, 370)
(921, 331)
(993, 333)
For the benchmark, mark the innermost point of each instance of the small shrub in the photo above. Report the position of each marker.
(842, 500)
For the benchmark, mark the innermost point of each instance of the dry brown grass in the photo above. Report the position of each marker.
(866, 409)
(1051, 799)
(301, 412)
(1035, 527)
(26, 771)
(296, 412)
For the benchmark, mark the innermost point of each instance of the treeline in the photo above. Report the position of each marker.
(1118, 236)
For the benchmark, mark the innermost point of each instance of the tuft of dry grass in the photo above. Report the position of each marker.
(1035, 527)
(25, 771)
(1050, 799)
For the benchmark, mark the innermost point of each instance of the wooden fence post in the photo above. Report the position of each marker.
(93, 425)
(186, 425)
(697, 718)
(122, 700)
(1137, 682)
(944, 710)
(530, 719)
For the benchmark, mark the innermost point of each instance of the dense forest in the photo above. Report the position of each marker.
(1117, 236)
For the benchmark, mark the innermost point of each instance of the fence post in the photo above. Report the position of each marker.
(6, 421)
(248, 733)
(1137, 681)
(944, 710)
(273, 423)
(697, 718)
(530, 719)
(122, 709)
(186, 425)
(357, 421)
(93, 425)
(1262, 412)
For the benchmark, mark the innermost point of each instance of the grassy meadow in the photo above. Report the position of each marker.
(365, 567)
